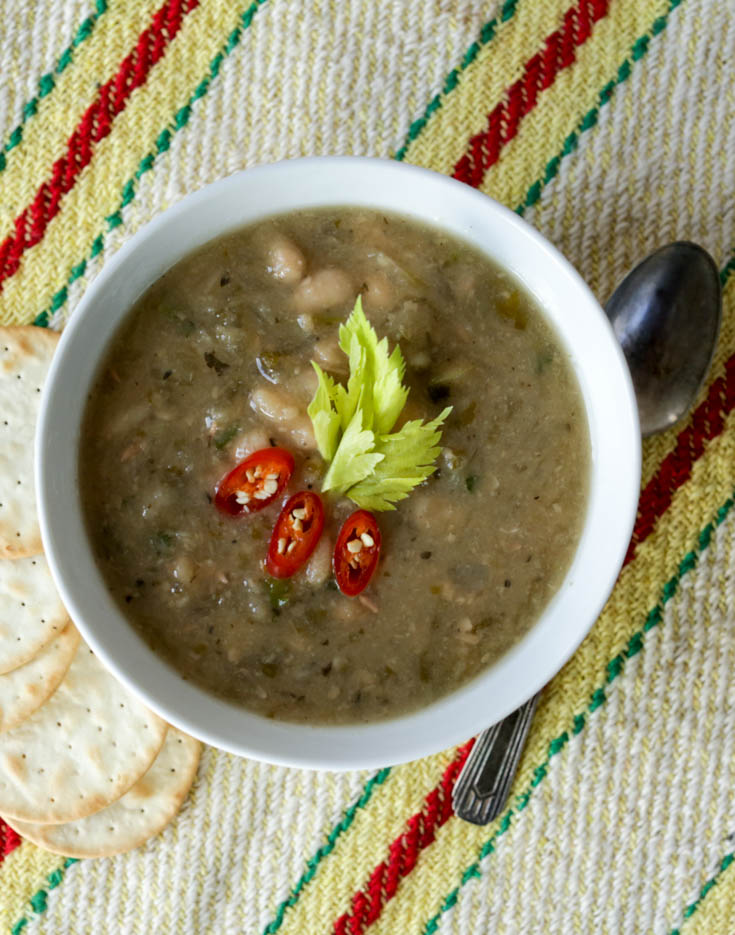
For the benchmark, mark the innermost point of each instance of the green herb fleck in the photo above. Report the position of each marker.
(225, 437)
(162, 541)
(212, 361)
(279, 592)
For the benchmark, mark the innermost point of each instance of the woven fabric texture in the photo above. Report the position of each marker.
(609, 125)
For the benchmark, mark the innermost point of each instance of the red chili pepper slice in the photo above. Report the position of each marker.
(295, 535)
(255, 482)
(356, 552)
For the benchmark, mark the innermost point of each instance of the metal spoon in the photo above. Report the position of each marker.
(666, 315)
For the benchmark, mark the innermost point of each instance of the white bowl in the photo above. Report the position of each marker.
(580, 324)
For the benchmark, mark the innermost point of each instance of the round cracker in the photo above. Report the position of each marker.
(80, 751)
(31, 612)
(24, 690)
(25, 354)
(141, 813)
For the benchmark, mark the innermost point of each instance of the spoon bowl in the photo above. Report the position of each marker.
(666, 316)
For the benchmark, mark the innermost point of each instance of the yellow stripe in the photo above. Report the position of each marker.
(23, 872)
(464, 112)
(98, 190)
(19, 20)
(365, 845)
(457, 844)
(714, 914)
(44, 137)
(559, 108)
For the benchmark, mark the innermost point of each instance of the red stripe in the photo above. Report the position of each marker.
(706, 423)
(368, 903)
(9, 840)
(95, 125)
(539, 72)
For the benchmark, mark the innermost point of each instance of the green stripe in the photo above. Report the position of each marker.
(727, 270)
(636, 644)
(638, 50)
(129, 190)
(59, 299)
(47, 82)
(692, 907)
(38, 901)
(451, 81)
(313, 863)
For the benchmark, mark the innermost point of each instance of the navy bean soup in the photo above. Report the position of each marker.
(214, 363)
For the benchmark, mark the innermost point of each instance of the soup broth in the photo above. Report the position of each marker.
(213, 363)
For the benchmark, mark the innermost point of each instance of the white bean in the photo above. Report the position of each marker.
(329, 354)
(304, 384)
(302, 433)
(285, 261)
(251, 441)
(320, 564)
(274, 404)
(346, 609)
(127, 420)
(432, 511)
(322, 290)
(184, 569)
(379, 294)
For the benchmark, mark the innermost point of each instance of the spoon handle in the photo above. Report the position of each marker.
(482, 787)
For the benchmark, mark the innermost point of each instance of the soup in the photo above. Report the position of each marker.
(214, 363)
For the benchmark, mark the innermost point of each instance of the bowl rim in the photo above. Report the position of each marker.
(520, 673)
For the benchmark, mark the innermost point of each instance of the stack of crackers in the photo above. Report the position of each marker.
(86, 770)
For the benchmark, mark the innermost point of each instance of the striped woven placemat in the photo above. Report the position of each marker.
(610, 126)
